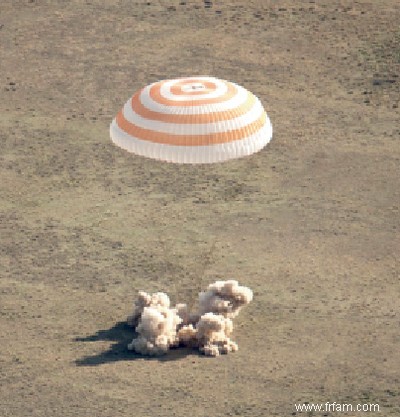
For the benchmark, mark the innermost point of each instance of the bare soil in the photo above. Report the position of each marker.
(310, 223)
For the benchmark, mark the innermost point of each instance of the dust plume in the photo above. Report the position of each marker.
(208, 329)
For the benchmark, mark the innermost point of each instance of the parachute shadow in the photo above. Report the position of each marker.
(122, 334)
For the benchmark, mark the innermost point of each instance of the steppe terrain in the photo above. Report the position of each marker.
(310, 223)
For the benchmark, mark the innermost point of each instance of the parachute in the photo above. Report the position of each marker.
(192, 120)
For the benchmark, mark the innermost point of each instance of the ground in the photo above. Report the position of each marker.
(310, 223)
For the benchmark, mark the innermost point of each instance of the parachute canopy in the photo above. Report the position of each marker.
(192, 120)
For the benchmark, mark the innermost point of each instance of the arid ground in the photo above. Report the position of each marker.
(310, 223)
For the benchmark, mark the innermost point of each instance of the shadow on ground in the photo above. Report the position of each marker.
(122, 334)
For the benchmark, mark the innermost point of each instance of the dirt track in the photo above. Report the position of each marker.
(311, 223)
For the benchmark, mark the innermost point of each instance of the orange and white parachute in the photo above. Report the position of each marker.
(192, 120)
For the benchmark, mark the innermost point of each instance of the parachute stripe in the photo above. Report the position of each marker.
(185, 118)
(197, 108)
(212, 125)
(162, 97)
(189, 140)
(184, 155)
